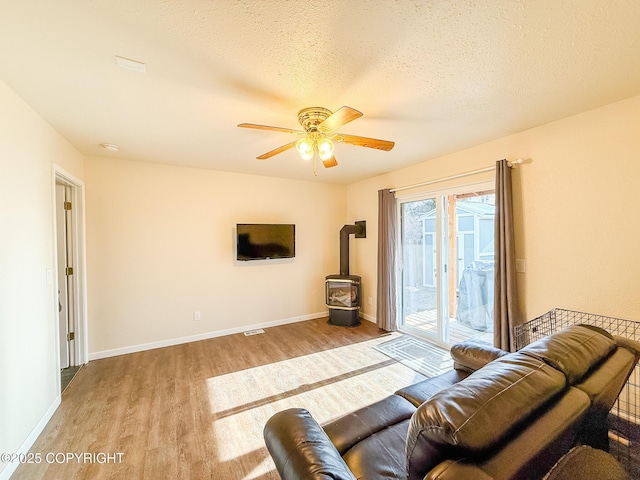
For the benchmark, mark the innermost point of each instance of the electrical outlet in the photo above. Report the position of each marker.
(196, 316)
(369, 301)
(521, 265)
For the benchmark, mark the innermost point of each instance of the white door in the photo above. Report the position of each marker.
(65, 248)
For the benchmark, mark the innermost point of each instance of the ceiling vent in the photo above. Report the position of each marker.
(131, 64)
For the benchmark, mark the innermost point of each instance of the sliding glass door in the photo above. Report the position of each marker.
(446, 264)
(419, 266)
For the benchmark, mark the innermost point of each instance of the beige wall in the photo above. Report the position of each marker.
(160, 245)
(28, 325)
(577, 221)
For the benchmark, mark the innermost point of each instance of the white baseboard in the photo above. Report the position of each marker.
(370, 318)
(10, 468)
(201, 336)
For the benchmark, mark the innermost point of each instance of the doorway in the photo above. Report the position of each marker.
(71, 292)
(447, 264)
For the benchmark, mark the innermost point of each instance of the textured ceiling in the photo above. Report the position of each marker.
(433, 76)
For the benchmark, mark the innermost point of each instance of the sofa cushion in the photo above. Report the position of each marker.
(457, 470)
(477, 413)
(531, 450)
(573, 351)
(350, 429)
(422, 391)
(380, 456)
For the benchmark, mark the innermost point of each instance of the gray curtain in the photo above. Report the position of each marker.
(506, 309)
(386, 292)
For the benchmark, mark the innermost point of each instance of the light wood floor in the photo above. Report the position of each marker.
(196, 411)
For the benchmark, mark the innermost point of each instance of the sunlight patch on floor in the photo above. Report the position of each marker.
(329, 384)
(252, 385)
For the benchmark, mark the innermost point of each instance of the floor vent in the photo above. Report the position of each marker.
(253, 332)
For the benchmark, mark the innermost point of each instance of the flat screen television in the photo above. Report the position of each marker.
(262, 241)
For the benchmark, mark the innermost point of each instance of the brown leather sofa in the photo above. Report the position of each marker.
(496, 415)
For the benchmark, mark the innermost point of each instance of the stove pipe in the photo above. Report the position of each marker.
(360, 231)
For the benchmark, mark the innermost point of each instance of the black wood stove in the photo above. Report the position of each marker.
(343, 291)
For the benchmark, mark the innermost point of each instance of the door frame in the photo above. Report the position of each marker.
(442, 271)
(60, 175)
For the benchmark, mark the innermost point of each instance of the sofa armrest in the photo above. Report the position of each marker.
(300, 448)
(471, 356)
(631, 345)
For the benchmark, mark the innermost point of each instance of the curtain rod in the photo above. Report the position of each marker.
(453, 177)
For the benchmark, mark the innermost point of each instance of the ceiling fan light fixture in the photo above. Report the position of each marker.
(319, 133)
(325, 148)
(305, 148)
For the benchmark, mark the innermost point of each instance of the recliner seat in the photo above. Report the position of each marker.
(495, 415)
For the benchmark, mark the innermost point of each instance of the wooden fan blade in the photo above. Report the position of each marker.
(340, 117)
(276, 151)
(330, 162)
(268, 127)
(365, 142)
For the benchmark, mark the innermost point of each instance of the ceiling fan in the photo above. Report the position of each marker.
(318, 134)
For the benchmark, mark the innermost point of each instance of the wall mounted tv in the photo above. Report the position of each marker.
(262, 241)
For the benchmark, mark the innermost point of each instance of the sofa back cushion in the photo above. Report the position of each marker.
(479, 412)
(574, 351)
(470, 356)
